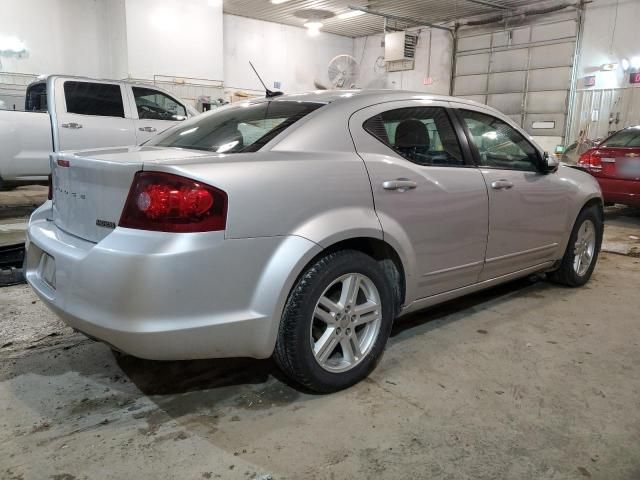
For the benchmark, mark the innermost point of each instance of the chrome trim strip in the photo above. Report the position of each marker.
(525, 252)
(452, 269)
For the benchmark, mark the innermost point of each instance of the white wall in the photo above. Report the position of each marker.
(279, 52)
(609, 36)
(175, 37)
(112, 31)
(62, 36)
(368, 49)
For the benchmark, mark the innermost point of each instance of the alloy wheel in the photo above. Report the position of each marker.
(584, 248)
(346, 322)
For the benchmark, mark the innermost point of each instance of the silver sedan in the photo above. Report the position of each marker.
(302, 226)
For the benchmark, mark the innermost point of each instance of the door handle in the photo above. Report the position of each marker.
(501, 185)
(400, 184)
(72, 125)
(147, 129)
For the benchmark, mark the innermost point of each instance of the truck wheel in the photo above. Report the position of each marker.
(336, 322)
(582, 250)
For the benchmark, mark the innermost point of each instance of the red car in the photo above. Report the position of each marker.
(616, 165)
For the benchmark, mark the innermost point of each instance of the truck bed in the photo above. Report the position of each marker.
(25, 144)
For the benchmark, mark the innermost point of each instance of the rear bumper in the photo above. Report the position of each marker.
(168, 296)
(617, 190)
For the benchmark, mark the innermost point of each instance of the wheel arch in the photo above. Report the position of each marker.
(389, 259)
(593, 201)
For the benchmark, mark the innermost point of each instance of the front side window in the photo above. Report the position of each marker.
(499, 145)
(237, 128)
(87, 98)
(629, 137)
(155, 105)
(423, 135)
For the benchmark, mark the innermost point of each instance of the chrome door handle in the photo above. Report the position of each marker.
(501, 185)
(72, 125)
(147, 129)
(401, 184)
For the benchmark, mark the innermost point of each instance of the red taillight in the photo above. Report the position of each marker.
(50, 183)
(591, 161)
(171, 203)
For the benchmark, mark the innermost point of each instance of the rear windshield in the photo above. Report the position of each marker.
(242, 128)
(629, 137)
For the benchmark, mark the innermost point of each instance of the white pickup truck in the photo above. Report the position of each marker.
(72, 113)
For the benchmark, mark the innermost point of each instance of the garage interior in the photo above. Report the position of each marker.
(528, 380)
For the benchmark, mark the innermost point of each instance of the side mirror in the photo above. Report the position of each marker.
(550, 163)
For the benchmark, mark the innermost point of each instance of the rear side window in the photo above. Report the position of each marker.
(155, 105)
(238, 128)
(86, 98)
(629, 137)
(423, 135)
(36, 99)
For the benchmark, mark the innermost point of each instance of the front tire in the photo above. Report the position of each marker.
(582, 251)
(336, 322)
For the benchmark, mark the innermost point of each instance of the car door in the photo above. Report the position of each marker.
(92, 113)
(155, 111)
(527, 208)
(428, 195)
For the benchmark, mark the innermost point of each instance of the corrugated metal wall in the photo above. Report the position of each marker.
(597, 113)
(523, 71)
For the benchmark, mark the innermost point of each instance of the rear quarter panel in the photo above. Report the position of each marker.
(319, 196)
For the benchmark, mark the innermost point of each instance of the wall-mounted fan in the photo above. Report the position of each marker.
(343, 71)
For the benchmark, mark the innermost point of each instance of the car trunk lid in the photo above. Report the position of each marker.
(90, 187)
(89, 193)
(616, 162)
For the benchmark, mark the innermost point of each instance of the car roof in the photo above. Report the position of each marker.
(376, 95)
(361, 98)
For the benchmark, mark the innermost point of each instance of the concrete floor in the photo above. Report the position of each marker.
(526, 381)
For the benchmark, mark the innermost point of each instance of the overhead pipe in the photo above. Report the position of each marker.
(525, 13)
(412, 21)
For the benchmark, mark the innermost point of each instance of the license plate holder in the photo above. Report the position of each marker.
(630, 168)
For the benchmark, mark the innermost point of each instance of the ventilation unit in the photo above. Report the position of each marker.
(400, 46)
(400, 50)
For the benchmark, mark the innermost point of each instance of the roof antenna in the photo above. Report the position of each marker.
(268, 93)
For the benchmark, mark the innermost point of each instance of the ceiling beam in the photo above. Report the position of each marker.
(412, 21)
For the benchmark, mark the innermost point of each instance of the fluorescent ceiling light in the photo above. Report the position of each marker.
(278, 2)
(350, 14)
(12, 45)
(313, 27)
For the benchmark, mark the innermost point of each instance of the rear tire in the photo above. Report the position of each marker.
(336, 322)
(584, 246)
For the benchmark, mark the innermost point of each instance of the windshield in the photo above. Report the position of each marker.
(629, 137)
(243, 128)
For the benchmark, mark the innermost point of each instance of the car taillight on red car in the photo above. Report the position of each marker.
(170, 203)
(591, 161)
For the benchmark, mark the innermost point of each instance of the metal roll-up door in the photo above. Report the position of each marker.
(524, 71)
